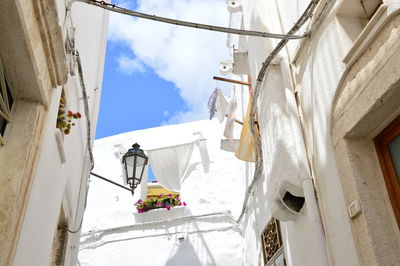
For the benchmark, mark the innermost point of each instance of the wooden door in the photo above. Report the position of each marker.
(387, 144)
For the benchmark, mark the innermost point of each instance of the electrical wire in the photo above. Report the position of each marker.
(125, 11)
(88, 132)
(322, 14)
(140, 225)
(306, 15)
(86, 109)
(94, 236)
(159, 235)
(76, 63)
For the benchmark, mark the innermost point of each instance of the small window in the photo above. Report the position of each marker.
(387, 145)
(271, 240)
(369, 7)
(354, 15)
(6, 103)
(362, 9)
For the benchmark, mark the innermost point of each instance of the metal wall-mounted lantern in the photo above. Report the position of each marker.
(134, 164)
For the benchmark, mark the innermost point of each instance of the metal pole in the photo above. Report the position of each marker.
(109, 181)
(233, 81)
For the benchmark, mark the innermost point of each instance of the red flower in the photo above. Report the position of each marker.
(79, 114)
(70, 113)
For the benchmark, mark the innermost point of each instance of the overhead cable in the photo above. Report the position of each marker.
(125, 11)
(88, 134)
(86, 110)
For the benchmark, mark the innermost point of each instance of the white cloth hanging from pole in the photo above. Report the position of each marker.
(230, 119)
(170, 164)
(222, 105)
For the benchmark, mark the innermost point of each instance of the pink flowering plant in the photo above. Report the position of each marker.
(65, 119)
(162, 201)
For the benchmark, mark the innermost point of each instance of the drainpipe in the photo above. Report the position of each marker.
(317, 232)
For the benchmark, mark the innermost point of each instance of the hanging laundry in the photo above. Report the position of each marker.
(229, 145)
(246, 149)
(222, 105)
(202, 146)
(212, 102)
(230, 118)
(170, 164)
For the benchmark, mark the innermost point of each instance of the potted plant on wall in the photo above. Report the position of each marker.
(162, 201)
(65, 118)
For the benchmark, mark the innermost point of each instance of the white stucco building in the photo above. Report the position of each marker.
(327, 109)
(115, 234)
(44, 172)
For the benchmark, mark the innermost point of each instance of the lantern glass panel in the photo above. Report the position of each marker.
(140, 161)
(140, 164)
(130, 164)
(130, 161)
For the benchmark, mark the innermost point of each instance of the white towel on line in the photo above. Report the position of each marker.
(222, 105)
(230, 119)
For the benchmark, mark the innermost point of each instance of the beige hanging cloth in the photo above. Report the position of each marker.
(246, 150)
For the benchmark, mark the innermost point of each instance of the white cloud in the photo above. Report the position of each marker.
(187, 57)
(128, 65)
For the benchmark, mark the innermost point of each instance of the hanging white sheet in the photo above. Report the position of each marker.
(170, 164)
(222, 105)
(143, 184)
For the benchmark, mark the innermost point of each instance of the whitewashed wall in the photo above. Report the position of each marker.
(56, 183)
(114, 234)
(318, 73)
(317, 85)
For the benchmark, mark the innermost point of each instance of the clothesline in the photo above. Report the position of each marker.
(177, 145)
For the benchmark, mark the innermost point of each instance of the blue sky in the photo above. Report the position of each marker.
(155, 73)
(133, 101)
